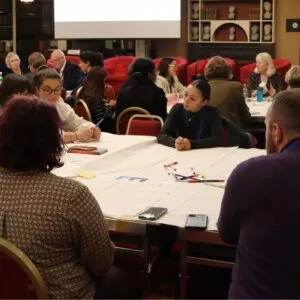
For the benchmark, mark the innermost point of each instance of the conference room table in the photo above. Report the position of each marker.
(131, 177)
(258, 110)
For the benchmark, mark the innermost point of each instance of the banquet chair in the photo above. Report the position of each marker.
(74, 59)
(203, 248)
(144, 125)
(19, 277)
(81, 109)
(125, 115)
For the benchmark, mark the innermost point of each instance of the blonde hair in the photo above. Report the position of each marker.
(9, 57)
(266, 59)
(292, 76)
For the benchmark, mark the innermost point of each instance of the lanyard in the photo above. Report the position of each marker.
(292, 146)
(201, 116)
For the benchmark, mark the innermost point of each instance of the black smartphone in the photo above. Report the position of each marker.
(153, 213)
(194, 221)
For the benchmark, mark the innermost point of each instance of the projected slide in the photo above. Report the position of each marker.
(117, 18)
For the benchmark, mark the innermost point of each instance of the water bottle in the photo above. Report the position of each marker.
(245, 91)
(260, 94)
(1, 78)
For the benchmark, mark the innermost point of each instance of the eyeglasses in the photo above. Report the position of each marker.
(48, 91)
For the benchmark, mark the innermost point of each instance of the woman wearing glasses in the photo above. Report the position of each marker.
(167, 79)
(47, 84)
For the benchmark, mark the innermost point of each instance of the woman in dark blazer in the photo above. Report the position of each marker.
(193, 124)
(140, 90)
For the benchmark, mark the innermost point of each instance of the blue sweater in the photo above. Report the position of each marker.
(261, 214)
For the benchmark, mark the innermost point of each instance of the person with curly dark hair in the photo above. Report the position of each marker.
(54, 220)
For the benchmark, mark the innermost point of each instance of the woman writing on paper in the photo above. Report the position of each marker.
(47, 84)
(167, 79)
(193, 124)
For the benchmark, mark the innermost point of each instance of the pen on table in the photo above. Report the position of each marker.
(194, 180)
(83, 151)
(171, 164)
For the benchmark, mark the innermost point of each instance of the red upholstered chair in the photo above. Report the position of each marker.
(19, 277)
(181, 70)
(281, 65)
(81, 109)
(144, 125)
(74, 59)
(197, 68)
(124, 117)
(117, 70)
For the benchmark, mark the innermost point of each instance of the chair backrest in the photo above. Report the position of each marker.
(19, 277)
(81, 109)
(118, 65)
(109, 92)
(125, 115)
(72, 58)
(144, 125)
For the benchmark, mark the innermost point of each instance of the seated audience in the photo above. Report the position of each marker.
(92, 92)
(88, 59)
(69, 72)
(13, 63)
(260, 210)
(36, 60)
(265, 73)
(292, 77)
(226, 95)
(47, 83)
(167, 79)
(13, 85)
(140, 90)
(54, 220)
(193, 124)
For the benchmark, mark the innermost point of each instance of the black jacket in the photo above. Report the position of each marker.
(71, 76)
(203, 129)
(144, 94)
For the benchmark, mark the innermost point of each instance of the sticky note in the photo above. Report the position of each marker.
(85, 174)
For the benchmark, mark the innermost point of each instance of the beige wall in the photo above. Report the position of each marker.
(174, 47)
(287, 43)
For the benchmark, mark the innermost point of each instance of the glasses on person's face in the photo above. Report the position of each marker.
(48, 90)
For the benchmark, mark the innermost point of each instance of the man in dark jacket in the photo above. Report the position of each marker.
(260, 210)
(69, 72)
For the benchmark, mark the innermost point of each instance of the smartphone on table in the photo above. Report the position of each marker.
(153, 213)
(196, 221)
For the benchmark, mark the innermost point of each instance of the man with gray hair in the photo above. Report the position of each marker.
(69, 72)
(261, 208)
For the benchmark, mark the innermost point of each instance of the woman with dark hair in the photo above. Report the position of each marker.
(92, 92)
(12, 85)
(47, 84)
(193, 124)
(226, 95)
(167, 79)
(89, 59)
(55, 221)
(140, 90)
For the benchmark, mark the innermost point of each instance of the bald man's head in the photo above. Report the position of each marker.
(58, 58)
(283, 120)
